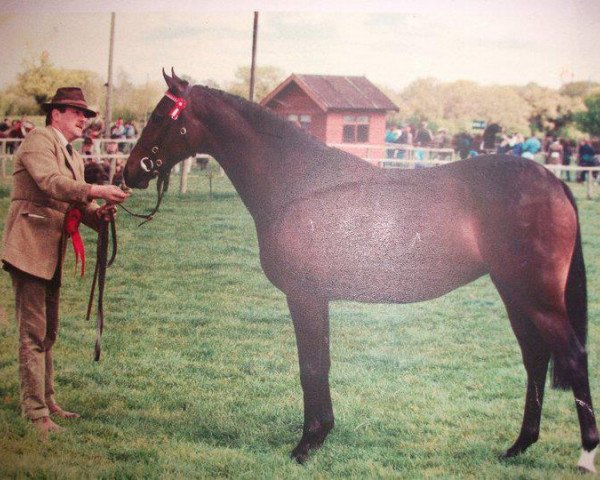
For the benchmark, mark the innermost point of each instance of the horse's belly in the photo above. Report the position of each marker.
(371, 254)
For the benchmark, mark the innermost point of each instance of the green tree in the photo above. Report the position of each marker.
(589, 121)
(549, 111)
(579, 89)
(40, 79)
(134, 102)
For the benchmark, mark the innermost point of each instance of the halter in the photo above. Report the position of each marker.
(153, 165)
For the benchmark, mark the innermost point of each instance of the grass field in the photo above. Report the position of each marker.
(199, 375)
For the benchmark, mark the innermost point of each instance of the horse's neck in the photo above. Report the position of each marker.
(271, 164)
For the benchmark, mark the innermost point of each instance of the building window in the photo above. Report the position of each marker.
(303, 121)
(356, 129)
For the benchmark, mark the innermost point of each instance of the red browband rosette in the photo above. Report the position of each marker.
(180, 104)
(72, 221)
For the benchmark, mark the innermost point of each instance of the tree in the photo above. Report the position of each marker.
(131, 102)
(40, 79)
(579, 89)
(266, 79)
(549, 111)
(589, 121)
(455, 105)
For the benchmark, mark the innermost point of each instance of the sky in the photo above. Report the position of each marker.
(393, 43)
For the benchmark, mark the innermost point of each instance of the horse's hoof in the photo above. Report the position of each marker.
(510, 453)
(300, 454)
(586, 461)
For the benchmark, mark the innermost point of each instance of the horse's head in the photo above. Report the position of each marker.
(164, 141)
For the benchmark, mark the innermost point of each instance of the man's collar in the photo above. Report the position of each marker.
(61, 137)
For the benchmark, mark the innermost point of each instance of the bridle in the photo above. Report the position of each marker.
(154, 165)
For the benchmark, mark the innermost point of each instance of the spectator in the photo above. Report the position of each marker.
(391, 134)
(462, 144)
(118, 129)
(531, 147)
(441, 139)
(4, 125)
(118, 132)
(423, 137)
(87, 147)
(490, 139)
(586, 158)
(504, 146)
(568, 153)
(130, 134)
(516, 143)
(405, 138)
(555, 153)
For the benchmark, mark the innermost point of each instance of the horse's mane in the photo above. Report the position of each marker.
(270, 123)
(321, 164)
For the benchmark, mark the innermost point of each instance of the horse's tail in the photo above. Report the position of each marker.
(576, 300)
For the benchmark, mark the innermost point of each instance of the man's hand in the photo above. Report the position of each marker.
(106, 212)
(110, 193)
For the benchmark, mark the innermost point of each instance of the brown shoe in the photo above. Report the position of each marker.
(55, 410)
(46, 426)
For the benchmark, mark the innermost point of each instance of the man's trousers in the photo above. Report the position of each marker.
(37, 303)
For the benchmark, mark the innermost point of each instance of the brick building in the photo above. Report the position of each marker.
(335, 109)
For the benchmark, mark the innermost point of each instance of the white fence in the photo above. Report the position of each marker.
(389, 155)
(395, 151)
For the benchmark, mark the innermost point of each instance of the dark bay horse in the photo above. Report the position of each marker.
(330, 227)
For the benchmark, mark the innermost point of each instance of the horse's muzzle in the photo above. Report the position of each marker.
(140, 180)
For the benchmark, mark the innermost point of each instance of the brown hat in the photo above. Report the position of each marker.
(69, 97)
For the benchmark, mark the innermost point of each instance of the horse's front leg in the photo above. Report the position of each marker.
(311, 324)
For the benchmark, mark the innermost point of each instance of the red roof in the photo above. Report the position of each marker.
(332, 92)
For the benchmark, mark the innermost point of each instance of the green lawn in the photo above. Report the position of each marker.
(199, 376)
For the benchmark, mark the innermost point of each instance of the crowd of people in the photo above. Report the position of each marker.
(105, 163)
(421, 136)
(105, 160)
(554, 150)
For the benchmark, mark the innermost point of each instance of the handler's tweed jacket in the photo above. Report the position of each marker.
(46, 182)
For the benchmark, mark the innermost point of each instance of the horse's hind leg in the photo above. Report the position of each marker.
(575, 369)
(536, 366)
(536, 357)
(311, 324)
(543, 328)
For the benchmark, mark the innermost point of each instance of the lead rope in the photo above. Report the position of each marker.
(102, 263)
(162, 185)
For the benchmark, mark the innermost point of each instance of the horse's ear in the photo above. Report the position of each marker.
(176, 84)
(168, 79)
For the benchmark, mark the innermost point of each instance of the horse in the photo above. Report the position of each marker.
(333, 227)
(96, 173)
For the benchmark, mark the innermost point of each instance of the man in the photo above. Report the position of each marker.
(48, 182)
(423, 137)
